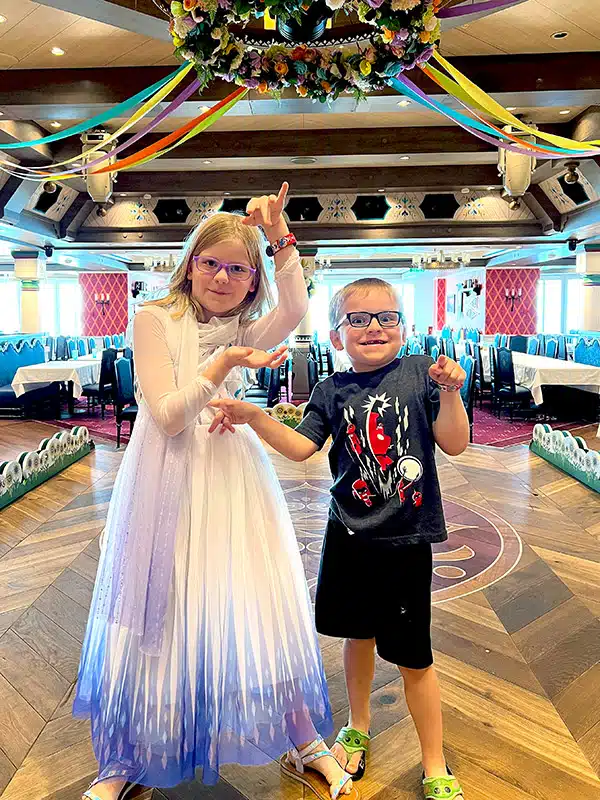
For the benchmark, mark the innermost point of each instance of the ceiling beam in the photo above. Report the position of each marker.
(333, 142)
(309, 181)
(496, 233)
(7, 191)
(533, 80)
(121, 15)
(538, 200)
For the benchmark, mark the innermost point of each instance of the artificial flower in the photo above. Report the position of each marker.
(251, 83)
(334, 5)
(388, 36)
(262, 88)
(401, 35)
(375, 3)
(370, 55)
(190, 4)
(326, 86)
(302, 90)
(365, 67)
(425, 36)
(431, 24)
(297, 53)
(177, 9)
(178, 41)
(281, 68)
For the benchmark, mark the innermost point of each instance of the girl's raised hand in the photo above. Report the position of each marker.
(256, 359)
(267, 210)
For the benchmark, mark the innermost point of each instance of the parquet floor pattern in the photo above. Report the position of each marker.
(519, 660)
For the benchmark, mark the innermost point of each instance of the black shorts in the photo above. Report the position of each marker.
(375, 590)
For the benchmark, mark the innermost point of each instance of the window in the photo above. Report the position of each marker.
(10, 303)
(574, 304)
(549, 305)
(60, 307)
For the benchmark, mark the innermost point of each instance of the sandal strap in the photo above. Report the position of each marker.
(337, 790)
(89, 795)
(308, 749)
(353, 741)
(446, 787)
(313, 757)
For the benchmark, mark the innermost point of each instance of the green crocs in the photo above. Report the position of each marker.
(354, 741)
(445, 788)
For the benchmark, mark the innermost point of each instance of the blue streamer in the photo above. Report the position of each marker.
(126, 105)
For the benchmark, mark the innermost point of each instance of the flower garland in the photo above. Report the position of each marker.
(404, 35)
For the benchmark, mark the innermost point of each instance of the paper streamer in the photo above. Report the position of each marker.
(116, 111)
(476, 8)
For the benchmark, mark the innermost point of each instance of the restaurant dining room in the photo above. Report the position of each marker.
(448, 149)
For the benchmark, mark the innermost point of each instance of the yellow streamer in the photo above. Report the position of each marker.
(483, 100)
(136, 117)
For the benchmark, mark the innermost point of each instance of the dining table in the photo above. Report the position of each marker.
(75, 372)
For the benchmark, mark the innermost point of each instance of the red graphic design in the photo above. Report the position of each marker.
(354, 440)
(379, 441)
(498, 316)
(411, 470)
(417, 499)
(360, 491)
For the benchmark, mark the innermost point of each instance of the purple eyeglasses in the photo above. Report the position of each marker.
(212, 266)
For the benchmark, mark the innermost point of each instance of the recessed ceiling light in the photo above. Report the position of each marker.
(560, 35)
(227, 193)
(1, 113)
(381, 190)
(565, 111)
(491, 188)
(56, 124)
(404, 103)
(511, 108)
(57, 51)
(123, 194)
(304, 160)
(204, 109)
(147, 196)
(207, 161)
(404, 158)
(466, 190)
(2, 19)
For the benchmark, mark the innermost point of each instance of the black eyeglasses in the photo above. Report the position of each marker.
(362, 319)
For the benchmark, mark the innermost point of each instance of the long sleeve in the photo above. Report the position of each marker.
(173, 409)
(292, 305)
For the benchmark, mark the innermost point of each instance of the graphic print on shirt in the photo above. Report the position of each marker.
(382, 475)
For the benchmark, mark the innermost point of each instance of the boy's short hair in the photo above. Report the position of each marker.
(336, 304)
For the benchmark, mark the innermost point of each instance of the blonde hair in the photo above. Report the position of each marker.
(338, 301)
(220, 227)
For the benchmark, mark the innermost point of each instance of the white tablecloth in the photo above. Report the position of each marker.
(537, 371)
(80, 371)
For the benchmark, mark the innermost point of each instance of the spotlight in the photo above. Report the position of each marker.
(50, 187)
(101, 211)
(571, 176)
(514, 204)
(572, 245)
(57, 51)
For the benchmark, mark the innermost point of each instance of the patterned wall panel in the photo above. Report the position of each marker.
(440, 303)
(115, 319)
(405, 207)
(57, 211)
(489, 207)
(337, 208)
(202, 208)
(125, 214)
(498, 316)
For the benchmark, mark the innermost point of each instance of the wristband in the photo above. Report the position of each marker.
(443, 388)
(286, 241)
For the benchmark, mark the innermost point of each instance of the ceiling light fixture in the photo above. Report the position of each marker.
(564, 112)
(560, 35)
(207, 161)
(204, 109)
(466, 190)
(304, 160)
(227, 194)
(2, 19)
(491, 188)
(404, 103)
(147, 196)
(57, 51)
(56, 124)
(511, 108)
(381, 190)
(404, 158)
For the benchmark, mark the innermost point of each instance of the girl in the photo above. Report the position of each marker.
(201, 647)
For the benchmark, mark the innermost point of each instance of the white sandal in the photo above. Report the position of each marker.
(294, 765)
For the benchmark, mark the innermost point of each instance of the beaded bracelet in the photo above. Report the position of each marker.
(443, 388)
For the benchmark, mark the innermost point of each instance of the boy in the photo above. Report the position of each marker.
(374, 590)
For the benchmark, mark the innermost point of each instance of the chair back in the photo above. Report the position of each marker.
(62, 351)
(504, 370)
(435, 352)
(533, 345)
(415, 349)
(469, 348)
(588, 352)
(107, 341)
(51, 345)
(497, 339)
(402, 351)
(81, 347)
(562, 348)
(430, 343)
(107, 368)
(329, 357)
(123, 383)
(518, 344)
(446, 332)
(504, 340)
(274, 391)
(449, 348)
(551, 348)
(468, 389)
(127, 352)
(473, 335)
(313, 374)
(91, 343)
(72, 349)
(115, 340)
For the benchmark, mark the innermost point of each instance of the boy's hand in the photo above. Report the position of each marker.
(255, 359)
(447, 373)
(230, 413)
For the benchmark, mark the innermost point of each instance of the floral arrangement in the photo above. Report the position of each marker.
(404, 33)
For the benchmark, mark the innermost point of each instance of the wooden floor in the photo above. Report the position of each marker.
(516, 629)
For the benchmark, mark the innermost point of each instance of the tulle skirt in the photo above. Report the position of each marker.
(239, 676)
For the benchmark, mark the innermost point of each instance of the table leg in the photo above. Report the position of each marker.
(71, 399)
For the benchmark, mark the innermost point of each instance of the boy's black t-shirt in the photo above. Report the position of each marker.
(382, 457)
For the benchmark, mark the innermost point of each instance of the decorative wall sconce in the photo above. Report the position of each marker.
(102, 301)
(512, 297)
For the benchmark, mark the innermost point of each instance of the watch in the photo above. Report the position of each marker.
(286, 241)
